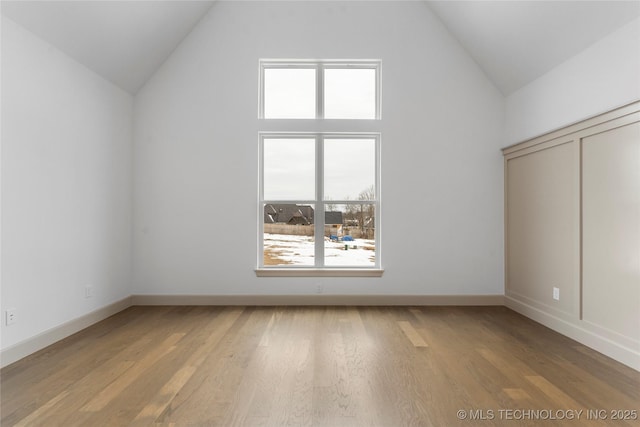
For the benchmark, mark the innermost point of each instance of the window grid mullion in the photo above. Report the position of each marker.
(320, 92)
(319, 215)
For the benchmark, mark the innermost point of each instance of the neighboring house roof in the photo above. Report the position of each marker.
(297, 214)
(270, 214)
(288, 214)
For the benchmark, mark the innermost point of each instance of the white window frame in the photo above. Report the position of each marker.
(320, 66)
(319, 129)
(319, 204)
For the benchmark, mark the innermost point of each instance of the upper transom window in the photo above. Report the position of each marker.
(320, 90)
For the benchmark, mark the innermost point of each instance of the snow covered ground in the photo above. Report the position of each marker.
(298, 250)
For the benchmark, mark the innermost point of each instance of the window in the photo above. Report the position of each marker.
(290, 93)
(319, 198)
(320, 90)
(319, 193)
(350, 93)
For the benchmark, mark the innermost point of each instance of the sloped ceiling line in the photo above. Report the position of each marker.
(514, 42)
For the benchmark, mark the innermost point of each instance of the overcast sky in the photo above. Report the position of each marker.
(289, 168)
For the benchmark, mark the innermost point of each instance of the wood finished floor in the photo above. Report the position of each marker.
(317, 366)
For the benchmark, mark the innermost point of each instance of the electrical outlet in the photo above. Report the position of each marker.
(10, 316)
(319, 288)
(556, 293)
(88, 291)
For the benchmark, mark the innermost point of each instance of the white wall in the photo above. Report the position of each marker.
(66, 187)
(196, 152)
(604, 76)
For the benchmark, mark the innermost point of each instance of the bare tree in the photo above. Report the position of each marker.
(366, 214)
(367, 194)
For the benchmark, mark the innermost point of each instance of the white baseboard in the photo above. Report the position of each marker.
(53, 335)
(604, 345)
(353, 300)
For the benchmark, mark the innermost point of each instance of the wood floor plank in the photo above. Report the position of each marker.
(130, 375)
(555, 394)
(83, 390)
(206, 344)
(153, 409)
(517, 394)
(313, 366)
(590, 387)
(41, 411)
(412, 334)
(56, 367)
(264, 341)
(163, 399)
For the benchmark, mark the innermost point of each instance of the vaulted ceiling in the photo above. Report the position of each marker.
(514, 42)
(123, 41)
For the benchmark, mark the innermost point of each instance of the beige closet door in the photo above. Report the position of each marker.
(542, 227)
(611, 230)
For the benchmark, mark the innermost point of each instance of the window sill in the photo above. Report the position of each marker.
(319, 272)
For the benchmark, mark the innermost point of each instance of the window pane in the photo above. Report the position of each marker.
(289, 169)
(288, 234)
(289, 93)
(349, 169)
(349, 235)
(350, 93)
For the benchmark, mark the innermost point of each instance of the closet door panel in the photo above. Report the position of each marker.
(611, 230)
(542, 227)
